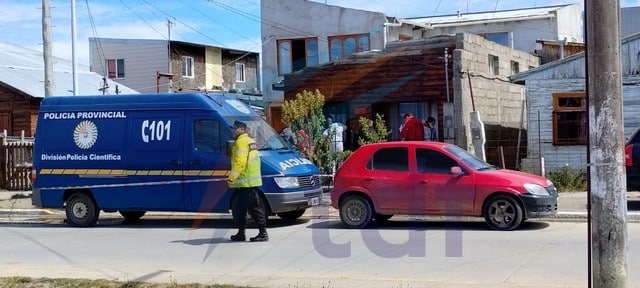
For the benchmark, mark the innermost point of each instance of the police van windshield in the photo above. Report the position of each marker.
(263, 133)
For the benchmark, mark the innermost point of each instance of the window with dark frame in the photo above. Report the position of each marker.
(394, 159)
(296, 54)
(494, 65)
(206, 136)
(570, 118)
(515, 67)
(430, 161)
(115, 68)
(344, 45)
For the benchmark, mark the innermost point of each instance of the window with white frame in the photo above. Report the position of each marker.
(494, 67)
(115, 68)
(295, 54)
(345, 45)
(239, 72)
(187, 67)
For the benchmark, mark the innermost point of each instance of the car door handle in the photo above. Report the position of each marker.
(195, 162)
(175, 162)
(368, 179)
(423, 181)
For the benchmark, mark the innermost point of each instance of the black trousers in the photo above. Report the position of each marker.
(247, 200)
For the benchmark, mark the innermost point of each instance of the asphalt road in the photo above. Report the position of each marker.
(15, 207)
(315, 251)
(309, 253)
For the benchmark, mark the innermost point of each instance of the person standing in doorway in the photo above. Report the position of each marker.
(430, 133)
(412, 129)
(245, 178)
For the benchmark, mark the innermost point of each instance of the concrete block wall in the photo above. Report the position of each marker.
(498, 100)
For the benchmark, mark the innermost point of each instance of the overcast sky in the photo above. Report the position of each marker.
(223, 23)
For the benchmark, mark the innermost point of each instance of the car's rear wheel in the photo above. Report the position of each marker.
(356, 211)
(81, 210)
(503, 212)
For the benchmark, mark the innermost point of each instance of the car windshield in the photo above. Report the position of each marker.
(265, 136)
(469, 159)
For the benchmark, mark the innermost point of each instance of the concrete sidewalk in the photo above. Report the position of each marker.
(572, 206)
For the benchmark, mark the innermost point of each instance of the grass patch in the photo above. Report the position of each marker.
(27, 282)
(567, 179)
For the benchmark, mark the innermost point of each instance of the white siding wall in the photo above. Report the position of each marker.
(539, 104)
(142, 59)
(629, 21)
(540, 132)
(630, 55)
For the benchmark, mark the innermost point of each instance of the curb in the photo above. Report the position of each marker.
(632, 217)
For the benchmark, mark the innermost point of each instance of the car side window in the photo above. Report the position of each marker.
(206, 136)
(396, 159)
(430, 161)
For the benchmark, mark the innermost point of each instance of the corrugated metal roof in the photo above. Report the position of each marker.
(470, 18)
(541, 71)
(23, 69)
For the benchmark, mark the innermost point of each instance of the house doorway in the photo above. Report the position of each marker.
(395, 112)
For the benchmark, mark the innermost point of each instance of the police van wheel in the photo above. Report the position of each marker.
(132, 216)
(81, 210)
(292, 215)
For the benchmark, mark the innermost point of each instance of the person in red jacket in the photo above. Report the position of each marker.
(412, 130)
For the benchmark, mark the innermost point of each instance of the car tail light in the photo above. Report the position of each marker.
(628, 155)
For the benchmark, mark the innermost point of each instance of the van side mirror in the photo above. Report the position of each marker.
(229, 146)
(456, 170)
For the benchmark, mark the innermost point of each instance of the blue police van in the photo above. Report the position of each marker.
(157, 152)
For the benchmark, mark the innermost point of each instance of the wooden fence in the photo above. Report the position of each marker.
(16, 159)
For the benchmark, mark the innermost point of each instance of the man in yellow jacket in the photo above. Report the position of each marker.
(245, 178)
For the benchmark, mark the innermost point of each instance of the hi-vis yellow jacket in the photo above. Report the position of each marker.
(245, 163)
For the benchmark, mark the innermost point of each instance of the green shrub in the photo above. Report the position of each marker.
(567, 179)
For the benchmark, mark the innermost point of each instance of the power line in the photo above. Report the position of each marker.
(185, 24)
(145, 21)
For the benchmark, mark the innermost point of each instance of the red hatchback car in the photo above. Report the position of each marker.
(434, 178)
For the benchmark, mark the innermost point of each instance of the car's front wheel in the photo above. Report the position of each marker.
(356, 211)
(502, 212)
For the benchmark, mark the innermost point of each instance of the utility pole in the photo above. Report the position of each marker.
(49, 80)
(74, 60)
(169, 23)
(607, 185)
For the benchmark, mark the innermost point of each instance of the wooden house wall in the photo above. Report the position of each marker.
(20, 109)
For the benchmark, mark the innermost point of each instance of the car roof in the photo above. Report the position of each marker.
(425, 144)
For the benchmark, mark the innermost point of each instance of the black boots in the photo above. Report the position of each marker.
(261, 237)
(239, 237)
